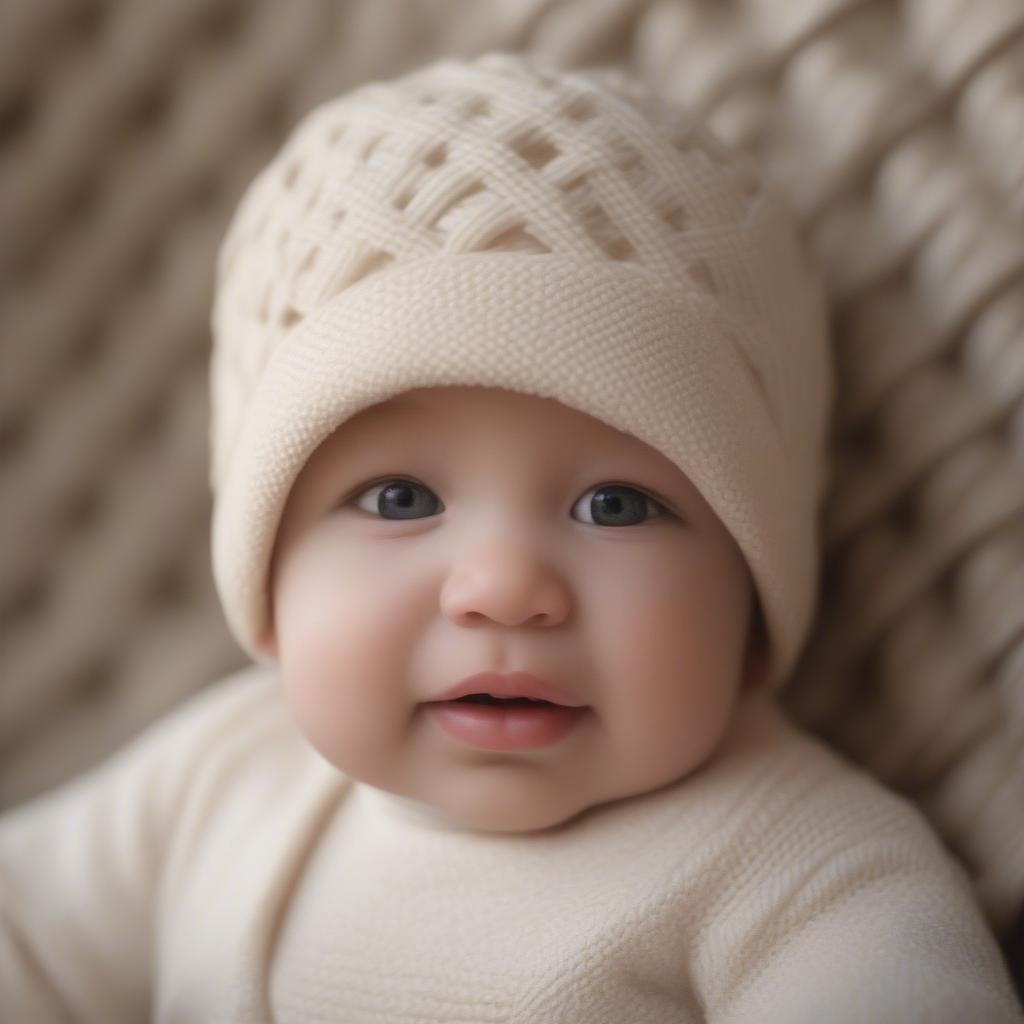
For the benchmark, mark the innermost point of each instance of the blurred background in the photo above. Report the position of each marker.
(894, 127)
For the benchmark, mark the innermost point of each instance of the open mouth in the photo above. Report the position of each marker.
(512, 702)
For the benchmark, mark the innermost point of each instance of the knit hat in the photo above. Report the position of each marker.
(503, 222)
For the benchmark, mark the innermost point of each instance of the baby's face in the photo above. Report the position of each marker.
(456, 531)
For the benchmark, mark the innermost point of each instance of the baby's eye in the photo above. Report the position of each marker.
(616, 505)
(604, 505)
(399, 499)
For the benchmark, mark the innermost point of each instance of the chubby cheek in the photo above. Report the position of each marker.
(344, 658)
(672, 661)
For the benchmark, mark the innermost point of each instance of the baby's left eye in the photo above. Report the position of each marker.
(616, 505)
(399, 499)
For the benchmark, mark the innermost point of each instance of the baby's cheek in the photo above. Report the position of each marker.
(311, 687)
(669, 665)
(656, 630)
(342, 660)
(312, 629)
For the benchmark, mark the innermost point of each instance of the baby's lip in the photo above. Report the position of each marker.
(510, 684)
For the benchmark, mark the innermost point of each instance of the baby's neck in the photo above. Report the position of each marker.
(413, 811)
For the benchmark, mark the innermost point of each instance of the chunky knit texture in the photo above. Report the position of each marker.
(501, 222)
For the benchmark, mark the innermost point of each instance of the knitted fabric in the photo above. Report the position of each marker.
(500, 222)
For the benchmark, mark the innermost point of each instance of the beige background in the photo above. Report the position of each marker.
(127, 132)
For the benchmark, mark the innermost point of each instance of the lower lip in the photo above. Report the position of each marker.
(492, 727)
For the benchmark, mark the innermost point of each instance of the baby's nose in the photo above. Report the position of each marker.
(505, 583)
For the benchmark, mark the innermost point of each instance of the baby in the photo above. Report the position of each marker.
(520, 389)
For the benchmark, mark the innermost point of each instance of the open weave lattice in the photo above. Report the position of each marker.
(896, 128)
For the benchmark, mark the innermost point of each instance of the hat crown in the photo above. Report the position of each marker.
(502, 153)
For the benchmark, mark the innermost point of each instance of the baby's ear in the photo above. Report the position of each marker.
(755, 671)
(266, 643)
(756, 663)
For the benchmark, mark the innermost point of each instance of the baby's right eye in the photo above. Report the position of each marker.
(399, 499)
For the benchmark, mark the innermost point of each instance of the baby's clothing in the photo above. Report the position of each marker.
(218, 869)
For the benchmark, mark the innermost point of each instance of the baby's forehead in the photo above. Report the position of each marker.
(467, 407)
(461, 427)
(440, 398)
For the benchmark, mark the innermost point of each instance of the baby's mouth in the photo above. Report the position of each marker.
(501, 689)
(487, 722)
(510, 702)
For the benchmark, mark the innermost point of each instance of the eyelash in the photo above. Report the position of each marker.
(661, 511)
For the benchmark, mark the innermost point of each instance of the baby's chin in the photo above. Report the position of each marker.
(514, 821)
(508, 821)
(518, 813)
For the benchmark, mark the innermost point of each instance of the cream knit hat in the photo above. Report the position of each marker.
(502, 222)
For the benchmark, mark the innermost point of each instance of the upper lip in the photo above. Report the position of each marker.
(510, 684)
